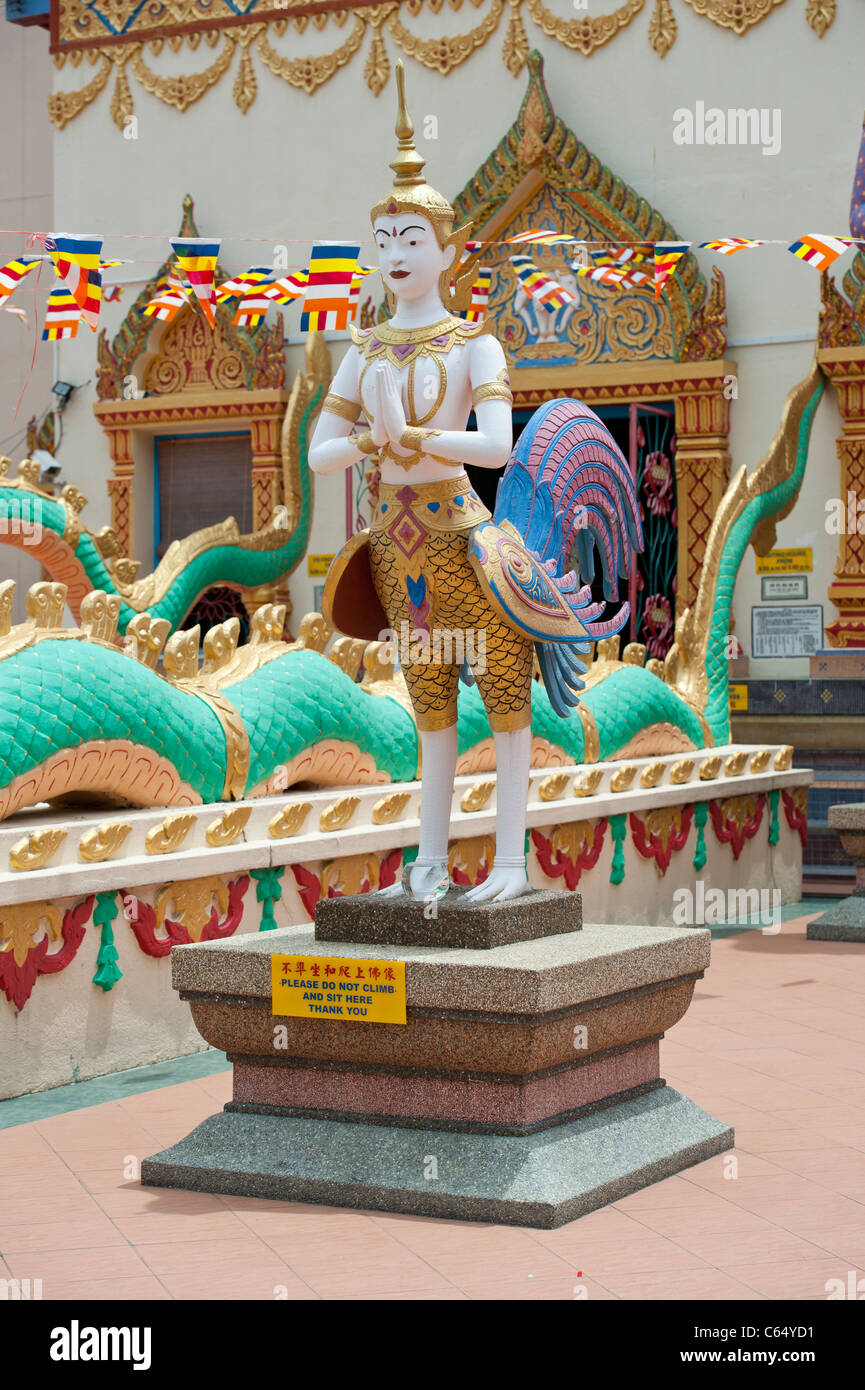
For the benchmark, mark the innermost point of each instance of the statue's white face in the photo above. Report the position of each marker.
(409, 255)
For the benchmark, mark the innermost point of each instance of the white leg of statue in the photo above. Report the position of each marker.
(508, 877)
(439, 762)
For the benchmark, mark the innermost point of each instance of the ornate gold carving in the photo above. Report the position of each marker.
(245, 87)
(353, 873)
(735, 764)
(22, 924)
(337, 816)
(652, 775)
(45, 603)
(34, 851)
(444, 54)
(553, 788)
(145, 637)
(662, 28)
(622, 779)
(664, 822)
(706, 338)
(681, 772)
(220, 646)
(311, 73)
(180, 658)
(191, 902)
(390, 808)
(571, 838)
(183, 91)
(347, 654)
(587, 783)
(377, 67)
(784, 758)
(591, 738)
(515, 49)
(760, 761)
(740, 810)
(634, 654)
(7, 599)
(228, 827)
(313, 635)
(99, 614)
(656, 667)
(169, 835)
(738, 15)
(63, 107)
(608, 649)
(476, 798)
(585, 35)
(289, 821)
(820, 14)
(103, 841)
(709, 768)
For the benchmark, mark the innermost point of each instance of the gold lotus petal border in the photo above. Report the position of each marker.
(441, 54)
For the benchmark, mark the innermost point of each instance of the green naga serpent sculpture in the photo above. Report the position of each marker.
(50, 529)
(83, 719)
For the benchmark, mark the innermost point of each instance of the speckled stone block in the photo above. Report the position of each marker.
(367, 917)
(497, 1104)
(844, 921)
(543, 1180)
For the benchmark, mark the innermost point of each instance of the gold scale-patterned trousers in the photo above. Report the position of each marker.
(419, 535)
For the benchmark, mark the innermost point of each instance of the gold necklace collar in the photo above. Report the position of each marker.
(386, 334)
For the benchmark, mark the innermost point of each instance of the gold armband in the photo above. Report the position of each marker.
(338, 405)
(414, 438)
(498, 390)
(364, 442)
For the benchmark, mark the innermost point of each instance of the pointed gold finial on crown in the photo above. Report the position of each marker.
(408, 165)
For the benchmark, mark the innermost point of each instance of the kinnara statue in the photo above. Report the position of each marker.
(434, 561)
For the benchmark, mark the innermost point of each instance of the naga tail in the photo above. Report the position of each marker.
(568, 491)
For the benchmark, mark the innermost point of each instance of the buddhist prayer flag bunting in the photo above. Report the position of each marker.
(327, 300)
(820, 251)
(169, 298)
(63, 316)
(287, 288)
(251, 309)
(539, 237)
(13, 272)
(729, 245)
(621, 255)
(667, 257)
(540, 286)
(626, 277)
(476, 311)
(236, 288)
(77, 262)
(19, 313)
(196, 257)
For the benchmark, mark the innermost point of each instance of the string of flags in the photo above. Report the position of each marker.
(329, 288)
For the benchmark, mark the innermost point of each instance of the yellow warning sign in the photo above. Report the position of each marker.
(797, 561)
(739, 697)
(359, 991)
(318, 564)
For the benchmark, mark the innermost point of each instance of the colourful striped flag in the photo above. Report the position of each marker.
(729, 245)
(539, 237)
(626, 277)
(327, 301)
(13, 272)
(476, 311)
(62, 317)
(820, 251)
(197, 259)
(236, 288)
(251, 310)
(287, 288)
(19, 313)
(540, 286)
(621, 255)
(169, 299)
(667, 257)
(77, 262)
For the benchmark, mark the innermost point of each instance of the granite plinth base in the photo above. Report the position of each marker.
(543, 1180)
(367, 917)
(844, 921)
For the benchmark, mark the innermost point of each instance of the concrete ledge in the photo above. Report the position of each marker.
(369, 918)
(543, 1180)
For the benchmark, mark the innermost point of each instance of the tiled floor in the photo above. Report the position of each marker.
(774, 1043)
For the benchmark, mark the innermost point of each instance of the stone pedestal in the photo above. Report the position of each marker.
(524, 1087)
(845, 921)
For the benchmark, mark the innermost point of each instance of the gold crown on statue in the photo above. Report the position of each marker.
(412, 193)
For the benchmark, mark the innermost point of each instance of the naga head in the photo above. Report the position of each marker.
(417, 245)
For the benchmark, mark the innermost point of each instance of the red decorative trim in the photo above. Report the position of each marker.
(555, 861)
(651, 845)
(17, 981)
(390, 868)
(142, 920)
(728, 832)
(308, 886)
(796, 819)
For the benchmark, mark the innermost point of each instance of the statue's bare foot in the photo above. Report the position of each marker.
(505, 880)
(423, 880)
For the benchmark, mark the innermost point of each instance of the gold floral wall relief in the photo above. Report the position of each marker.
(115, 36)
